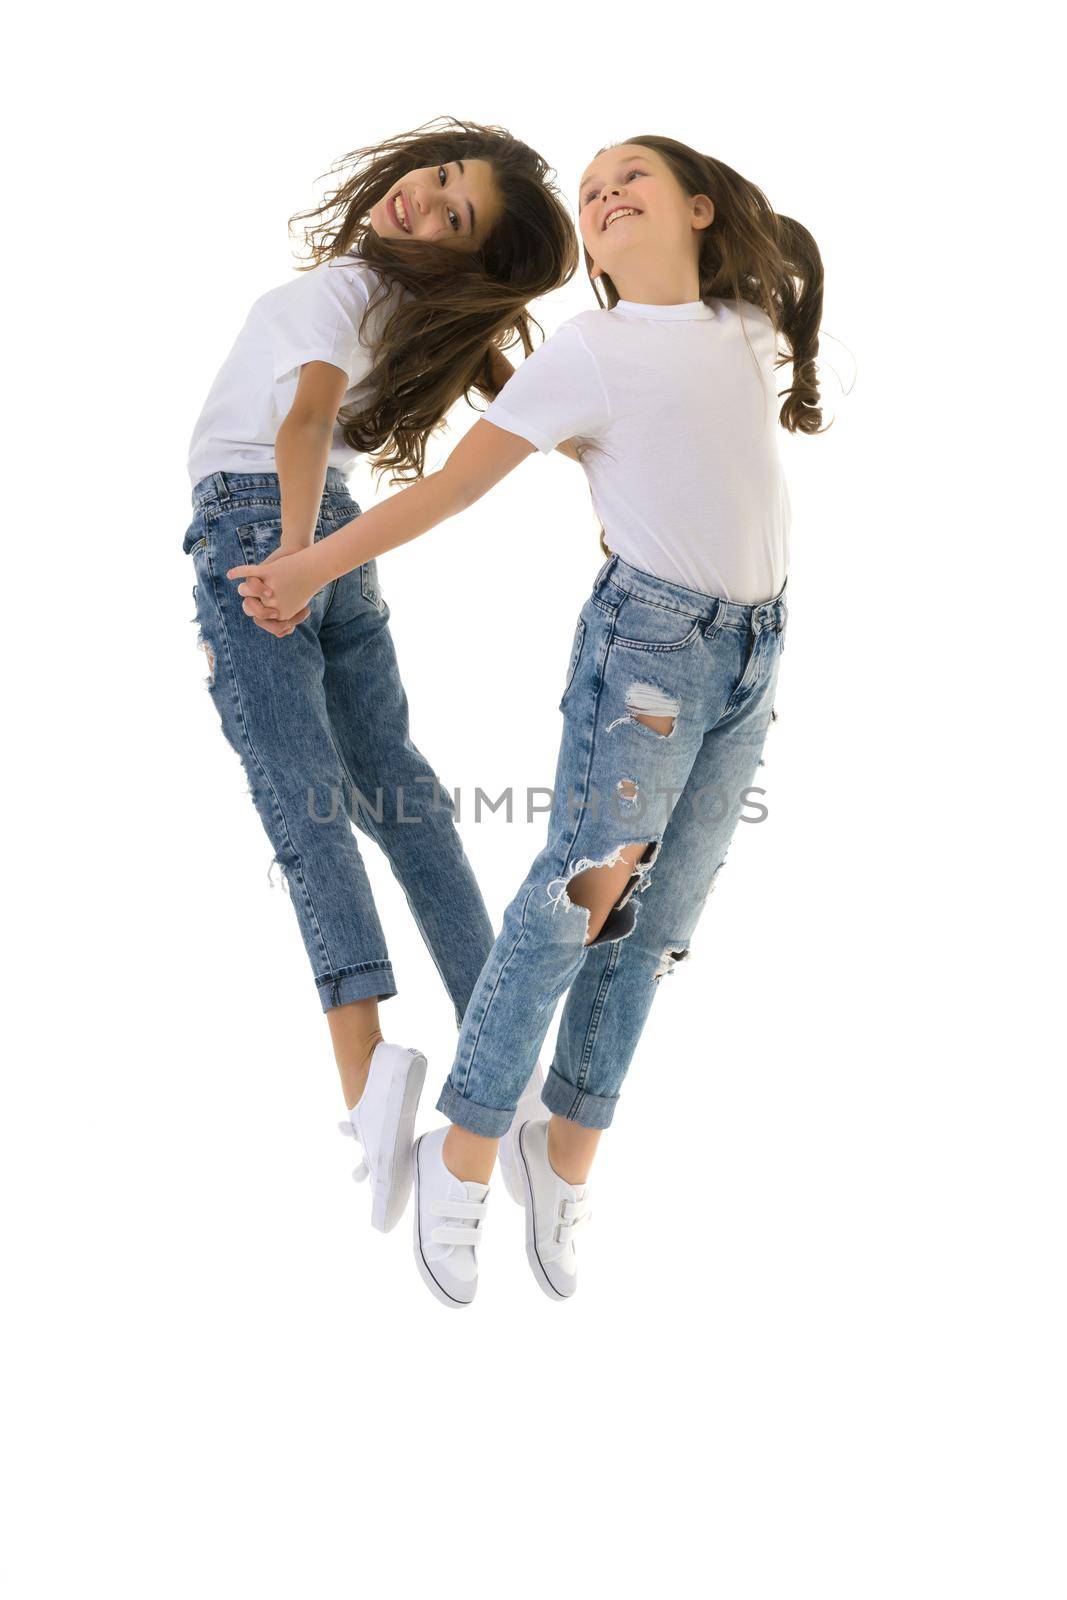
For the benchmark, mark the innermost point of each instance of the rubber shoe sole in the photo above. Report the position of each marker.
(435, 1288)
(392, 1191)
(536, 1264)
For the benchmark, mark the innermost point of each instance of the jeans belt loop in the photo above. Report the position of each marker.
(219, 479)
(604, 573)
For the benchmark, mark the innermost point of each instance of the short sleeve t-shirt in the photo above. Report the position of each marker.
(316, 316)
(675, 409)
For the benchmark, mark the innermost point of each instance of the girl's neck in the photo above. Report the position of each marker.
(658, 284)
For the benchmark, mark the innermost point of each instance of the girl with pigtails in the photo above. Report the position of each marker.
(668, 393)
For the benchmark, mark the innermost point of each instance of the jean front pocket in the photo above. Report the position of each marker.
(641, 625)
(195, 534)
(576, 656)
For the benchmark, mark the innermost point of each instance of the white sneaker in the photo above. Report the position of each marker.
(530, 1108)
(554, 1212)
(384, 1124)
(448, 1224)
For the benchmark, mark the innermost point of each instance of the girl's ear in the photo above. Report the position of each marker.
(703, 211)
(595, 271)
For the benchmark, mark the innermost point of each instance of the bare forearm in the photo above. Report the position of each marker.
(290, 579)
(395, 521)
(301, 452)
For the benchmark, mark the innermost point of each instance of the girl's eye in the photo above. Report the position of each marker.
(453, 220)
(591, 194)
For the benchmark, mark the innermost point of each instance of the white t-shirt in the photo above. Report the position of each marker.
(314, 317)
(681, 417)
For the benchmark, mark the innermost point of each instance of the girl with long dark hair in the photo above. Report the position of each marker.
(422, 261)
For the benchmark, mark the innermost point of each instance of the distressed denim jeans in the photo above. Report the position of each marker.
(320, 721)
(641, 646)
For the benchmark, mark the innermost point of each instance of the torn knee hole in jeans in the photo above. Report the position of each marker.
(670, 959)
(653, 707)
(560, 889)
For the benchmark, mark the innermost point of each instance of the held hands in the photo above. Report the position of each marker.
(277, 591)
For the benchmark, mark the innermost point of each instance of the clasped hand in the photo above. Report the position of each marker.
(276, 592)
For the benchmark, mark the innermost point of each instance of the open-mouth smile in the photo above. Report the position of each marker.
(616, 213)
(399, 212)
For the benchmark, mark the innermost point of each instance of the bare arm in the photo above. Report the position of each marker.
(302, 449)
(481, 458)
(302, 446)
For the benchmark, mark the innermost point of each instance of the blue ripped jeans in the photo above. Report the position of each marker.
(641, 646)
(320, 721)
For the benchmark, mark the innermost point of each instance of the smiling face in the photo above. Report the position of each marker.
(633, 213)
(456, 204)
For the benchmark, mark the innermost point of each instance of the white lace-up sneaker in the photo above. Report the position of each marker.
(383, 1123)
(555, 1210)
(529, 1109)
(448, 1224)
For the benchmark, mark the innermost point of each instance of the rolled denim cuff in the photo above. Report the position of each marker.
(489, 1121)
(577, 1105)
(374, 981)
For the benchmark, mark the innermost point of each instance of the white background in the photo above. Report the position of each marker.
(818, 1346)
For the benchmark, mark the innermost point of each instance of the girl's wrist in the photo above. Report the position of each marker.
(320, 558)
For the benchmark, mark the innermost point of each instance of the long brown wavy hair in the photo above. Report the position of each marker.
(751, 252)
(438, 343)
